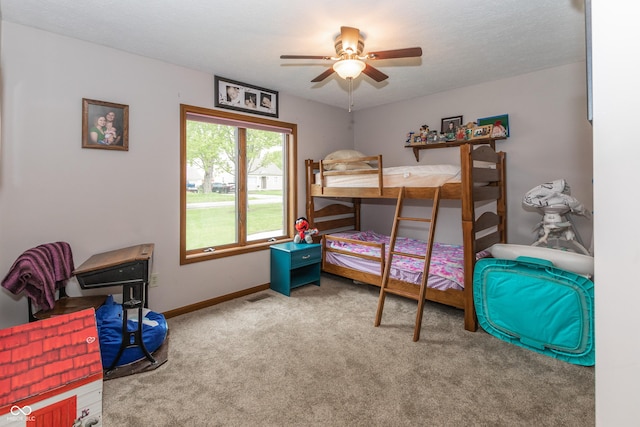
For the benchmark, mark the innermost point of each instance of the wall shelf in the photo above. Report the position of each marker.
(417, 147)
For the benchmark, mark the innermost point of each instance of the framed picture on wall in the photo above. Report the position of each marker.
(450, 124)
(500, 125)
(480, 132)
(234, 95)
(105, 125)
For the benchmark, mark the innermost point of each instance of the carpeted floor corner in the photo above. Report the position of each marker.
(315, 359)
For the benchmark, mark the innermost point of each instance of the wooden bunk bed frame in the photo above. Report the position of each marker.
(478, 184)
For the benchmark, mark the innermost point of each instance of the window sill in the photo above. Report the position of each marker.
(193, 257)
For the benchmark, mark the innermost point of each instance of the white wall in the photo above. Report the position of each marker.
(550, 138)
(616, 90)
(97, 200)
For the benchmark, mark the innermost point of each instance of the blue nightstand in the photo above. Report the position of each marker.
(293, 265)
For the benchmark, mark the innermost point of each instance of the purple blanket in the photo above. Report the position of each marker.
(40, 271)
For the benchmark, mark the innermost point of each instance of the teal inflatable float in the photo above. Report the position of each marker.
(533, 304)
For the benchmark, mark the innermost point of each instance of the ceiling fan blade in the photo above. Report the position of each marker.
(304, 57)
(410, 52)
(324, 75)
(374, 73)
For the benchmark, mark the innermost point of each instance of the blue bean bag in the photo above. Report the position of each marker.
(109, 321)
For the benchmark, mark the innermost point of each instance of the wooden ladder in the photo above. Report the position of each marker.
(384, 286)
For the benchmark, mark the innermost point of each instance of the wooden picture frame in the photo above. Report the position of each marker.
(493, 120)
(481, 132)
(238, 96)
(444, 123)
(105, 125)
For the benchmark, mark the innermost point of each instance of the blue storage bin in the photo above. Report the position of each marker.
(530, 303)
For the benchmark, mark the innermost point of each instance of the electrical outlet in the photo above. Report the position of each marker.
(154, 280)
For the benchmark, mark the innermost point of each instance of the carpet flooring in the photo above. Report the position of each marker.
(315, 359)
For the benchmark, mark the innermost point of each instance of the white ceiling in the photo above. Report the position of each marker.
(464, 42)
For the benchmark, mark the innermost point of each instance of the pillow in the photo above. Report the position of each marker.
(348, 166)
(346, 154)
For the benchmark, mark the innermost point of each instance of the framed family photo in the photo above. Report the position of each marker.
(450, 124)
(480, 132)
(105, 125)
(238, 96)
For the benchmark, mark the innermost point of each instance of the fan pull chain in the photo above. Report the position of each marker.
(350, 94)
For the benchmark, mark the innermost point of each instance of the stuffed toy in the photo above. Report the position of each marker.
(304, 231)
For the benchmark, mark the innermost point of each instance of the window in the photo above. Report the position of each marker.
(237, 188)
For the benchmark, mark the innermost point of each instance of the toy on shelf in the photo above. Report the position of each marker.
(424, 133)
(498, 131)
(468, 131)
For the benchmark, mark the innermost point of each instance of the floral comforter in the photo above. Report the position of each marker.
(447, 261)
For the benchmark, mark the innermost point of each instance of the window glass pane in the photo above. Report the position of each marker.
(211, 172)
(266, 210)
(237, 184)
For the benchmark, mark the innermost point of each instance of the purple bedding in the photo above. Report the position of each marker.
(445, 270)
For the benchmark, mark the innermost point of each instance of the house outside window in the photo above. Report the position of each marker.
(237, 186)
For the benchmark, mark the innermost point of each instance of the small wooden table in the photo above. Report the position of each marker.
(66, 305)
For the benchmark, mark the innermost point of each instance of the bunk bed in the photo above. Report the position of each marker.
(480, 177)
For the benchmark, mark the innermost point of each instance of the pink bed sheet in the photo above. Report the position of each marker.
(445, 271)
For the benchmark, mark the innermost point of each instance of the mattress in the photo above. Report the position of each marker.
(446, 270)
(398, 176)
(533, 304)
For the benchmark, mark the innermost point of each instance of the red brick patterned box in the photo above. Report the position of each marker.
(51, 372)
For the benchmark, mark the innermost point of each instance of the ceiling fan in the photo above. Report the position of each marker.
(349, 45)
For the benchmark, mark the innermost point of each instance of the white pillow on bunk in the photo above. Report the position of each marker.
(346, 154)
(349, 166)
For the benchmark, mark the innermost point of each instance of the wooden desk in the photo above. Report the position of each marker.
(118, 268)
(113, 258)
(127, 267)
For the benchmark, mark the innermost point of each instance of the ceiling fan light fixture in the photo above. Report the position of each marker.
(349, 68)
